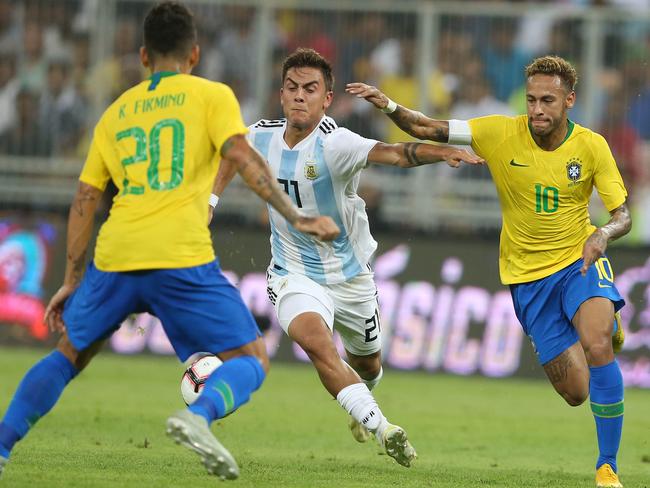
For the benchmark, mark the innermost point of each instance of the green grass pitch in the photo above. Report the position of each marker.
(108, 431)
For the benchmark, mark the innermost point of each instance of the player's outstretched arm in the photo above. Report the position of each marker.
(619, 224)
(80, 228)
(410, 121)
(256, 174)
(412, 154)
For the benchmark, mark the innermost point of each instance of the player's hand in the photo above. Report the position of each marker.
(321, 227)
(457, 156)
(593, 249)
(370, 93)
(53, 312)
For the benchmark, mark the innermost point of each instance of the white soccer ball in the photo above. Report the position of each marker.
(195, 376)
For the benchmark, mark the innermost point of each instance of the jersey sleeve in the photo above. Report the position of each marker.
(347, 152)
(607, 178)
(224, 116)
(95, 172)
(488, 133)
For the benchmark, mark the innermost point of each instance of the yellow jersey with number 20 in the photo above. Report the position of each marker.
(160, 142)
(544, 194)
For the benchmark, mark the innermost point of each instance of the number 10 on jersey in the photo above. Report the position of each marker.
(546, 199)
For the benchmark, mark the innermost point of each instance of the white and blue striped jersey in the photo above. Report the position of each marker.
(321, 175)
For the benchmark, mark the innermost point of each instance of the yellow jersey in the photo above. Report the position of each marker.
(544, 195)
(159, 142)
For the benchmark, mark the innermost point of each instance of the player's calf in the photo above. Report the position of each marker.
(37, 393)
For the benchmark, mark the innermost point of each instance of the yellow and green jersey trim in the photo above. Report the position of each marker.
(157, 76)
(570, 126)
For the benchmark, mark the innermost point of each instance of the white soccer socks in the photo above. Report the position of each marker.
(357, 400)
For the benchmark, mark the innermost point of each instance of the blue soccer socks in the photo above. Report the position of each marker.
(606, 392)
(229, 387)
(37, 393)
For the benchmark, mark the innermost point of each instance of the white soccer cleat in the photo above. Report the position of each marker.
(3, 463)
(193, 432)
(395, 442)
(359, 432)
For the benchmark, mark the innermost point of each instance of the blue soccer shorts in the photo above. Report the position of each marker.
(198, 307)
(545, 307)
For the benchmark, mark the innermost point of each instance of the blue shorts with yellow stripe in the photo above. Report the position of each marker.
(545, 307)
(200, 310)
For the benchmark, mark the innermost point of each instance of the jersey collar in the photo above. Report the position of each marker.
(159, 75)
(304, 141)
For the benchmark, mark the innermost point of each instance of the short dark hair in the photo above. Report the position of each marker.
(554, 66)
(169, 29)
(308, 58)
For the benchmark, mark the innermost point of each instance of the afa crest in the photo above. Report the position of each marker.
(311, 171)
(574, 169)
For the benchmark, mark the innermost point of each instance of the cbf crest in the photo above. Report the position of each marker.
(311, 170)
(574, 169)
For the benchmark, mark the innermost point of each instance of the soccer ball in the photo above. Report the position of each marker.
(195, 376)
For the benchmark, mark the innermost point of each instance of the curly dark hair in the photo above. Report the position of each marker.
(554, 66)
(169, 30)
(308, 58)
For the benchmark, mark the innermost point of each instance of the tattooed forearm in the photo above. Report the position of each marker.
(405, 118)
(80, 228)
(619, 224)
(409, 151)
(557, 369)
(77, 265)
(256, 174)
(441, 134)
(419, 125)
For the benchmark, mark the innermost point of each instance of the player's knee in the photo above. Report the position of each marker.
(576, 397)
(264, 361)
(68, 350)
(599, 351)
(368, 369)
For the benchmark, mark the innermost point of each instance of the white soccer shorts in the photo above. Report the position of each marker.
(350, 307)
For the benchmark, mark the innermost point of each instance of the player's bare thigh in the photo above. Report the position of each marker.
(569, 374)
(255, 348)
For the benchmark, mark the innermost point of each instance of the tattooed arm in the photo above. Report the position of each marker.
(619, 224)
(250, 164)
(412, 154)
(410, 121)
(80, 228)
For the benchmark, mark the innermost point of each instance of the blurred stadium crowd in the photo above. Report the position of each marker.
(58, 71)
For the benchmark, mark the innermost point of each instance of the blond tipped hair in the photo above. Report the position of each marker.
(554, 66)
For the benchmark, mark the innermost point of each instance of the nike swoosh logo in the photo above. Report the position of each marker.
(600, 285)
(514, 163)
